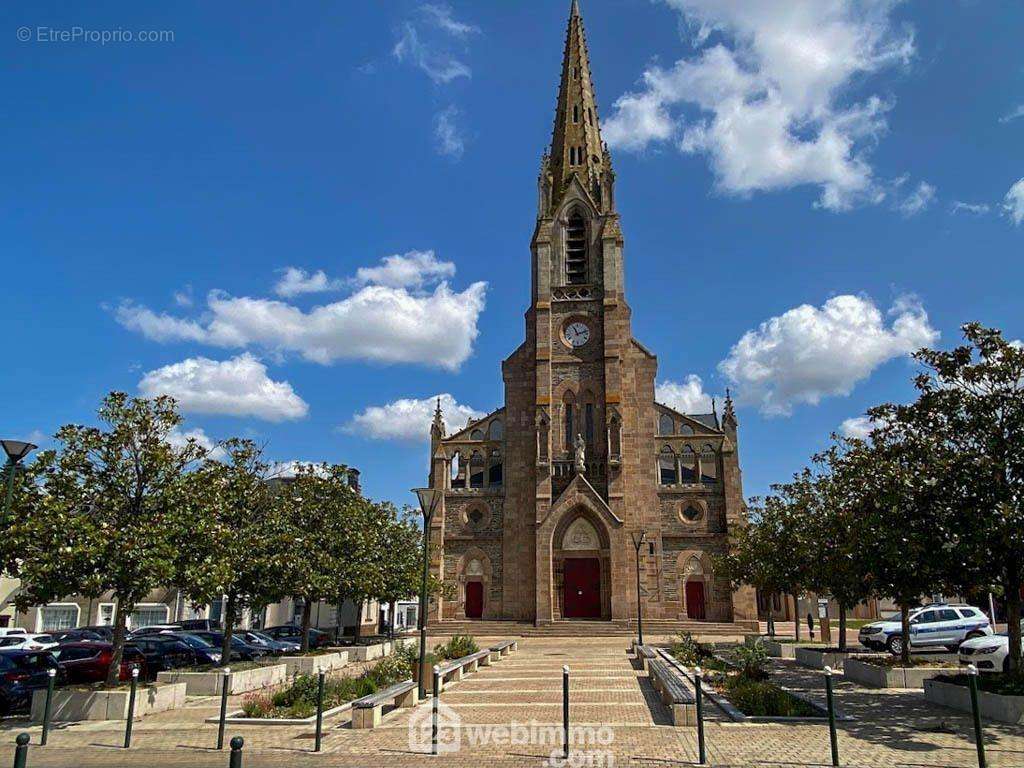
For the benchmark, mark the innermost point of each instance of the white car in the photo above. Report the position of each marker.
(27, 642)
(988, 654)
(933, 626)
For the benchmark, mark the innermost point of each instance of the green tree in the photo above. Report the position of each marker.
(236, 547)
(106, 510)
(403, 542)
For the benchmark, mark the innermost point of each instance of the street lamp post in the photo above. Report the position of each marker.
(428, 499)
(16, 450)
(638, 541)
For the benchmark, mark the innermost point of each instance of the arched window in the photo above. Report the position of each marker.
(497, 430)
(476, 470)
(575, 113)
(494, 469)
(576, 250)
(458, 471)
(708, 466)
(615, 437)
(665, 425)
(685, 429)
(476, 434)
(569, 418)
(588, 422)
(687, 466)
(667, 467)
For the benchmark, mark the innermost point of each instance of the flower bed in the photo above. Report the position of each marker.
(889, 672)
(1000, 698)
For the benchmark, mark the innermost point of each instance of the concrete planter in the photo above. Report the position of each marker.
(370, 652)
(238, 717)
(72, 705)
(1001, 709)
(311, 665)
(818, 658)
(209, 683)
(877, 676)
(780, 650)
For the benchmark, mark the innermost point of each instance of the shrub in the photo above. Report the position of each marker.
(757, 698)
(456, 648)
(257, 705)
(753, 660)
(689, 651)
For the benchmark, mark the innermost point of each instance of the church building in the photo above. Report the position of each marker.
(546, 499)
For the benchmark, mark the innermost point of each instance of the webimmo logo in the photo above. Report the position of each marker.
(449, 729)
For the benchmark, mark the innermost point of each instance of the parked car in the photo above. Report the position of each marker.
(933, 626)
(989, 653)
(155, 629)
(240, 650)
(293, 634)
(27, 642)
(200, 625)
(78, 636)
(206, 652)
(263, 640)
(22, 672)
(4, 631)
(105, 631)
(162, 653)
(89, 661)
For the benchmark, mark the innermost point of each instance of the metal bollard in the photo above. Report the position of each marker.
(833, 739)
(701, 746)
(565, 712)
(21, 750)
(131, 709)
(47, 708)
(225, 686)
(319, 710)
(433, 715)
(979, 737)
(236, 752)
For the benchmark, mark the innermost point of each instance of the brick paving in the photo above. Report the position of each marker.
(892, 728)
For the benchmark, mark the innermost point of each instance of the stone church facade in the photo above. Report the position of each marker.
(545, 498)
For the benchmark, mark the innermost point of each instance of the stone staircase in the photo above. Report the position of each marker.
(584, 628)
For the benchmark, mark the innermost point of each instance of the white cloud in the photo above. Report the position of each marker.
(448, 138)
(183, 298)
(236, 387)
(441, 16)
(978, 209)
(918, 200)
(1013, 114)
(809, 353)
(409, 419)
(769, 94)
(295, 282)
(858, 427)
(413, 269)
(1013, 203)
(687, 397)
(389, 319)
(179, 439)
(426, 43)
(282, 470)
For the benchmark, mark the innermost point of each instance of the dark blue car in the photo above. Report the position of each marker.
(21, 673)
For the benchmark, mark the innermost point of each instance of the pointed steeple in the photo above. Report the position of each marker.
(729, 417)
(576, 146)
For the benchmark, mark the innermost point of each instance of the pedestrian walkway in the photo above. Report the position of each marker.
(892, 728)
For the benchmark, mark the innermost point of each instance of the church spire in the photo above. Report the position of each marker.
(576, 146)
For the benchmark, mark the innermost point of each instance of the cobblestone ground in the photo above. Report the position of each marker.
(891, 728)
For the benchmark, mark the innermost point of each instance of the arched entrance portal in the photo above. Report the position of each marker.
(581, 557)
(695, 576)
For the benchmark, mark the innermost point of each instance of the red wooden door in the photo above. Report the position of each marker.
(474, 599)
(695, 600)
(582, 599)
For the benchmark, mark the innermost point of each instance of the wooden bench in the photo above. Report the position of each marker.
(504, 648)
(645, 653)
(674, 692)
(453, 671)
(368, 711)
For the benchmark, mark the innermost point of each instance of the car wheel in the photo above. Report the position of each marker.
(895, 645)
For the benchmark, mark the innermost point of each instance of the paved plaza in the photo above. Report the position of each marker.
(608, 694)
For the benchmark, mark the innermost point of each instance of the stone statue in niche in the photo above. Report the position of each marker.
(581, 455)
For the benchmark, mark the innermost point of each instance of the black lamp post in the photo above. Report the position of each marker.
(428, 499)
(638, 541)
(16, 450)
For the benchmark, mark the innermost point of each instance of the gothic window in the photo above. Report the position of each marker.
(665, 425)
(576, 250)
(708, 466)
(691, 513)
(497, 430)
(688, 466)
(476, 434)
(685, 429)
(588, 416)
(615, 437)
(590, 115)
(494, 469)
(569, 425)
(575, 113)
(458, 471)
(476, 470)
(542, 440)
(667, 467)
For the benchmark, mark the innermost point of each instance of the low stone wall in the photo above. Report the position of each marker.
(76, 704)
(780, 650)
(209, 683)
(878, 676)
(311, 665)
(817, 658)
(1002, 709)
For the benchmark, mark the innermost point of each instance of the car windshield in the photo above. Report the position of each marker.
(261, 636)
(195, 642)
(891, 616)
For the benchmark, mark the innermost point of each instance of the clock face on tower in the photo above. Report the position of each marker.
(577, 334)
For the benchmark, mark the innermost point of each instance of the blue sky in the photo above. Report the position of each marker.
(806, 196)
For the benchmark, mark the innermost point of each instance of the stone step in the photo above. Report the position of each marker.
(581, 628)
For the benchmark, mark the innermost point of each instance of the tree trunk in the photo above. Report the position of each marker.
(392, 616)
(842, 627)
(905, 629)
(307, 613)
(796, 617)
(1013, 608)
(122, 610)
(229, 629)
(359, 622)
